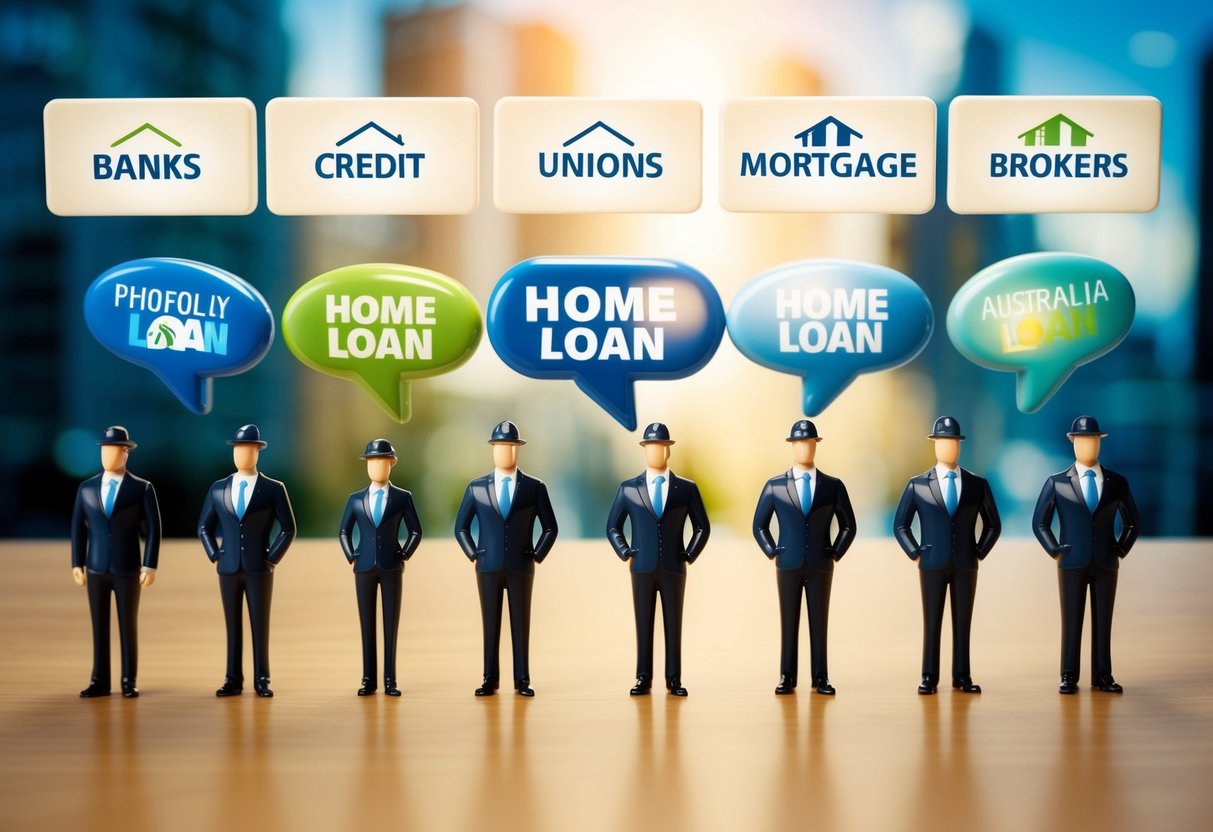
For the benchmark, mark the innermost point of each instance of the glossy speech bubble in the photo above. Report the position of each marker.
(829, 321)
(1041, 316)
(605, 323)
(185, 321)
(381, 325)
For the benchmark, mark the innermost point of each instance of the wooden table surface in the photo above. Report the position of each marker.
(583, 754)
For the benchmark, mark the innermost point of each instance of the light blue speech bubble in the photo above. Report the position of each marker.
(185, 321)
(1041, 316)
(605, 323)
(828, 321)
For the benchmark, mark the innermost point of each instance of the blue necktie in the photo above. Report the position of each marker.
(806, 493)
(109, 498)
(240, 506)
(657, 506)
(949, 493)
(503, 502)
(377, 511)
(1089, 490)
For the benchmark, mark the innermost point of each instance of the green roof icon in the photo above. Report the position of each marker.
(1048, 133)
(147, 125)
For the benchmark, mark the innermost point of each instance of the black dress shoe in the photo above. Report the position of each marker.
(674, 686)
(786, 685)
(642, 687)
(230, 688)
(262, 687)
(927, 688)
(966, 685)
(523, 686)
(129, 690)
(367, 689)
(823, 687)
(1069, 684)
(94, 690)
(1107, 684)
(389, 687)
(488, 688)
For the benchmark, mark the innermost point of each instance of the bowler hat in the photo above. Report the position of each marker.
(248, 435)
(506, 433)
(1085, 426)
(946, 428)
(117, 435)
(378, 448)
(657, 434)
(803, 429)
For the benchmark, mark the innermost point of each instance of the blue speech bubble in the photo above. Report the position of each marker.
(187, 322)
(828, 321)
(605, 323)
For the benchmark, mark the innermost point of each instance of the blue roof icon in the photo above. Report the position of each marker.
(818, 133)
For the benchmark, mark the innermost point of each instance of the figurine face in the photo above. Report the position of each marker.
(947, 451)
(656, 456)
(1086, 449)
(803, 452)
(245, 456)
(379, 468)
(113, 458)
(505, 456)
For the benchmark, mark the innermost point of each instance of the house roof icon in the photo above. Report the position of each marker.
(1048, 133)
(370, 125)
(817, 135)
(600, 125)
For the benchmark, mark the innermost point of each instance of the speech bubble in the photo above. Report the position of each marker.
(1041, 316)
(829, 321)
(185, 321)
(605, 323)
(381, 325)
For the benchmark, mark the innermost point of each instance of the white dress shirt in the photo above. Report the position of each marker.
(370, 501)
(941, 473)
(238, 478)
(1082, 479)
(650, 475)
(797, 472)
(498, 475)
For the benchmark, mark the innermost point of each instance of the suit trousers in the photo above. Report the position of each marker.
(934, 584)
(1072, 585)
(257, 591)
(518, 587)
(816, 589)
(366, 586)
(125, 589)
(646, 586)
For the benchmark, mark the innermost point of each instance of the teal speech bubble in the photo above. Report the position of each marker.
(1041, 316)
(381, 325)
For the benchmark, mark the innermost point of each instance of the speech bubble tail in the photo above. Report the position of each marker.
(619, 399)
(1034, 387)
(821, 390)
(392, 393)
(194, 391)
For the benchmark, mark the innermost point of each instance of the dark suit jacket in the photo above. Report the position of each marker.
(111, 544)
(506, 544)
(379, 546)
(804, 539)
(658, 544)
(1089, 536)
(947, 539)
(245, 543)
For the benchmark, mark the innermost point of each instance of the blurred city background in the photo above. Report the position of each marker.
(1154, 393)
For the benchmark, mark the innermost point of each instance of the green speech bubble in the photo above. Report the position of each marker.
(1041, 316)
(382, 325)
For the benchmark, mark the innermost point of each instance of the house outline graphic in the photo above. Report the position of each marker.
(1048, 133)
(818, 133)
(600, 124)
(147, 125)
(398, 138)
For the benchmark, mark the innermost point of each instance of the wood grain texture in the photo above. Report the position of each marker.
(585, 755)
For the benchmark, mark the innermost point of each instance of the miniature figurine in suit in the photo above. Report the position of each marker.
(506, 504)
(805, 501)
(658, 503)
(243, 509)
(1087, 498)
(377, 512)
(113, 511)
(948, 501)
